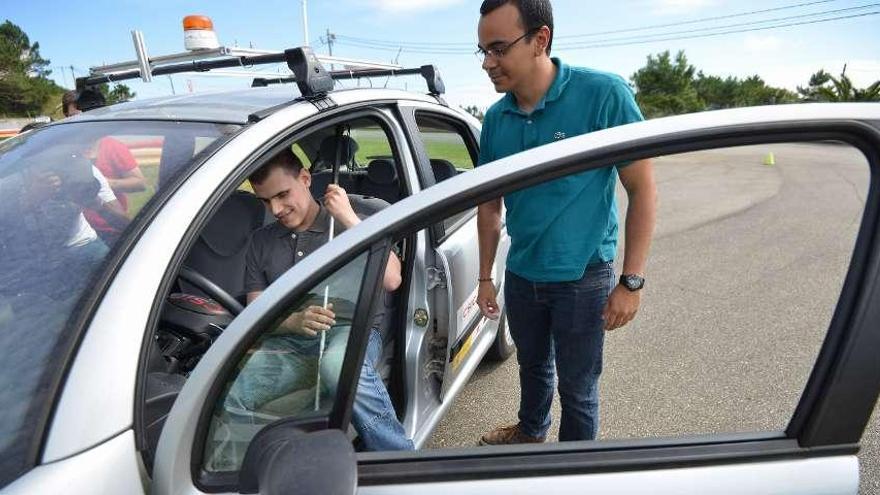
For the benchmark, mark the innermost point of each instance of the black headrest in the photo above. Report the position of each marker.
(443, 169)
(329, 146)
(382, 171)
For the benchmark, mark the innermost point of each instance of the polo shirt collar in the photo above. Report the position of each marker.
(563, 74)
(320, 225)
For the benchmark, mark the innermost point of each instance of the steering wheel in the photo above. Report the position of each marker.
(213, 290)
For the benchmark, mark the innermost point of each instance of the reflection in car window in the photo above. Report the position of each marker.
(67, 195)
(278, 376)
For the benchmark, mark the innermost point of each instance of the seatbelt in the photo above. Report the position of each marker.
(327, 287)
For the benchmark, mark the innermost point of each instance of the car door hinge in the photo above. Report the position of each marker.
(436, 278)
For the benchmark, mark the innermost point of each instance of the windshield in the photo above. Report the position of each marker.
(68, 193)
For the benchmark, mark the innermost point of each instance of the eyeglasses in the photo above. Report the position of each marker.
(499, 51)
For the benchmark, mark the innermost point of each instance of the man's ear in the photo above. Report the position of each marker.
(542, 39)
(306, 177)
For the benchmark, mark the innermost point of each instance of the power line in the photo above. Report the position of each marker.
(736, 25)
(708, 35)
(429, 45)
(651, 38)
(696, 21)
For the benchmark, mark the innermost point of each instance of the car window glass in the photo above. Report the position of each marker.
(368, 165)
(68, 194)
(751, 248)
(448, 152)
(278, 376)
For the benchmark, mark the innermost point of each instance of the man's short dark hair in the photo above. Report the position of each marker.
(284, 160)
(533, 15)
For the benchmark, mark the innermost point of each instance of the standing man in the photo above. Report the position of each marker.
(560, 291)
(117, 164)
(301, 226)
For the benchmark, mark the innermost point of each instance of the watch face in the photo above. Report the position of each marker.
(633, 282)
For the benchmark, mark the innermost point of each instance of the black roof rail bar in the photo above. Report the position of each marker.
(311, 77)
(431, 74)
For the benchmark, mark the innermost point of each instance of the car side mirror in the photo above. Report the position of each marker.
(283, 458)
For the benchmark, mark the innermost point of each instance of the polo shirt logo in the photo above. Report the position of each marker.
(559, 135)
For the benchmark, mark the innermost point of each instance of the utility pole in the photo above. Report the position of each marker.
(331, 38)
(305, 9)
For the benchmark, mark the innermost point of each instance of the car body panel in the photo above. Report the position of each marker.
(463, 318)
(87, 472)
(826, 476)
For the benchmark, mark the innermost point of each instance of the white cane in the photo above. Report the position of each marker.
(323, 334)
(327, 287)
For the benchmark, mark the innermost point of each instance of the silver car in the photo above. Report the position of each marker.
(92, 372)
(103, 318)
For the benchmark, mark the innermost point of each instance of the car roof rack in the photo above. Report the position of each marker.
(313, 79)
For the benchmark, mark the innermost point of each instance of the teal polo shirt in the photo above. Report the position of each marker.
(559, 227)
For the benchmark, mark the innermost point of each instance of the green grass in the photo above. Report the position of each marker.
(443, 146)
(456, 153)
(136, 201)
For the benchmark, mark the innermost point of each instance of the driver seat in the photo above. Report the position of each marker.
(220, 250)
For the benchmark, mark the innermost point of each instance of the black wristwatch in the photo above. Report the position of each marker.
(632, 282)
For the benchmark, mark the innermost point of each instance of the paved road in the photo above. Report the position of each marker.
(744, 274)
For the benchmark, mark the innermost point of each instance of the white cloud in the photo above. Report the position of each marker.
(762, 43)
(414, 5)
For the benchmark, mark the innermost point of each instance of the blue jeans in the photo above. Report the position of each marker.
(279, 376)
(561, 322)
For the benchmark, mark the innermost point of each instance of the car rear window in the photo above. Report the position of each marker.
(68, 194)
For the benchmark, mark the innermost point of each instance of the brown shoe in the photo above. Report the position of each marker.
(507, 435)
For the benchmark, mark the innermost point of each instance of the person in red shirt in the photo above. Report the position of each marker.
(116, 163)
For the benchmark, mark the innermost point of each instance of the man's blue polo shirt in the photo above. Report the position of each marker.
(559, 227)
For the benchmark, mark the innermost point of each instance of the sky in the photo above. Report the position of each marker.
(610, 36)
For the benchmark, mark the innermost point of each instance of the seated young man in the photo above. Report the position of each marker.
(278, 366)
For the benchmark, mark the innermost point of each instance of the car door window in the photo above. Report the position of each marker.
(285, 373)
(449, 153)
(750, 253)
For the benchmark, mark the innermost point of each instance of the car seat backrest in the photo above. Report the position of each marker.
(443, 169)
(345, 146)
(219, 252)
(381, 181)
(350, 181)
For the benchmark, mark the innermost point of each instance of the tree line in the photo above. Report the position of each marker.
(669, 85)
(25, 87)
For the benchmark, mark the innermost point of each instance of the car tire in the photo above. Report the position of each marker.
(503, 347)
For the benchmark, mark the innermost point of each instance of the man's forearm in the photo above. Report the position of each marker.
(130, 184)
(640, 220)
(489, 234)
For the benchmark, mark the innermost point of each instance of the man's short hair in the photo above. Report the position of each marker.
(67, 99)
(284, 160)
(533, 14)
